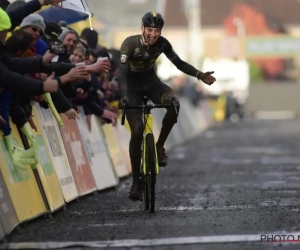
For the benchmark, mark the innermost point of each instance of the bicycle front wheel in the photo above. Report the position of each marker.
(150, 173)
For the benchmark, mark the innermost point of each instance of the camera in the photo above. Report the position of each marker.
(58, 49)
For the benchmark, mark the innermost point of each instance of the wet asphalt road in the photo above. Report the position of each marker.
(232, 181)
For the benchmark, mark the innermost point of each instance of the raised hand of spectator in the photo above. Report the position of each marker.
(80, 94)
(50, 85)
(77, 73)
(110, 116)
(99, 66)
(47, 58)
(72, 114)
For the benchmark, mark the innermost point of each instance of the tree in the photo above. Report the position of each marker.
(254, 23)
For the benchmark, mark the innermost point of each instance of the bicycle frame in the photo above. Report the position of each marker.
(148, 129)
(148, 125)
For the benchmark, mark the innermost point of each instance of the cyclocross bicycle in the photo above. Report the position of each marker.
(149, 163)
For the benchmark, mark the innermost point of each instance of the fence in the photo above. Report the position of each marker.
(75, 161)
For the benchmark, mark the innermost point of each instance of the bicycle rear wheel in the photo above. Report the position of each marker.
(149, 191)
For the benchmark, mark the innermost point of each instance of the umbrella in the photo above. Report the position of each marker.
(54, 14)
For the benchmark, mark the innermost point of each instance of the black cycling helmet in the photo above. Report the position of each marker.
(153, 19)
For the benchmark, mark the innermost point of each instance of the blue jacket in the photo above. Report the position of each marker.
(41, 47)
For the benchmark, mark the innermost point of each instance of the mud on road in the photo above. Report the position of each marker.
(234, 179)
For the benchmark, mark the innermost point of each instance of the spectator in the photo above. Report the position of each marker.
(71, 39)
(16, 152)
(52, 32)
(78, 54)
(91, 37)
(16, 82)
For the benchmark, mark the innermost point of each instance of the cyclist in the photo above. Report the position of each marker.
(138, 78)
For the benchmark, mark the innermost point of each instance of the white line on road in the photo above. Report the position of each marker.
(148, 242)
(193, 208)
(212, 208)
(105, 225)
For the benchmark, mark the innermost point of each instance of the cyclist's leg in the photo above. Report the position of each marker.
(163, 94)
(134, 118)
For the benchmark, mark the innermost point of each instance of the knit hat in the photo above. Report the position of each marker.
(5, 23)
(65, 32)
(34, 20)
(53, 29)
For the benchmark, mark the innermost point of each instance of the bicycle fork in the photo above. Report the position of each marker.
(148, 120)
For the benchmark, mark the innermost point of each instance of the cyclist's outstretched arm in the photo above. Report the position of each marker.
(188, 69)
(184, 66)
(180, 64)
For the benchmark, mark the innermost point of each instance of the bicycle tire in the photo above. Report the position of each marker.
(146, 193)
(151, 174)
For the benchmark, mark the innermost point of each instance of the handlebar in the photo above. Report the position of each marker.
(148, 106)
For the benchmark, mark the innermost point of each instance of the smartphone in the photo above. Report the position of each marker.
(58, 49)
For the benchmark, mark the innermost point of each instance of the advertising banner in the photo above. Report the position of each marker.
(77, 156)
(45, 167)
(116, 151)
(103, 170)
(272, 46)
(125, 134)
(54, 142)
